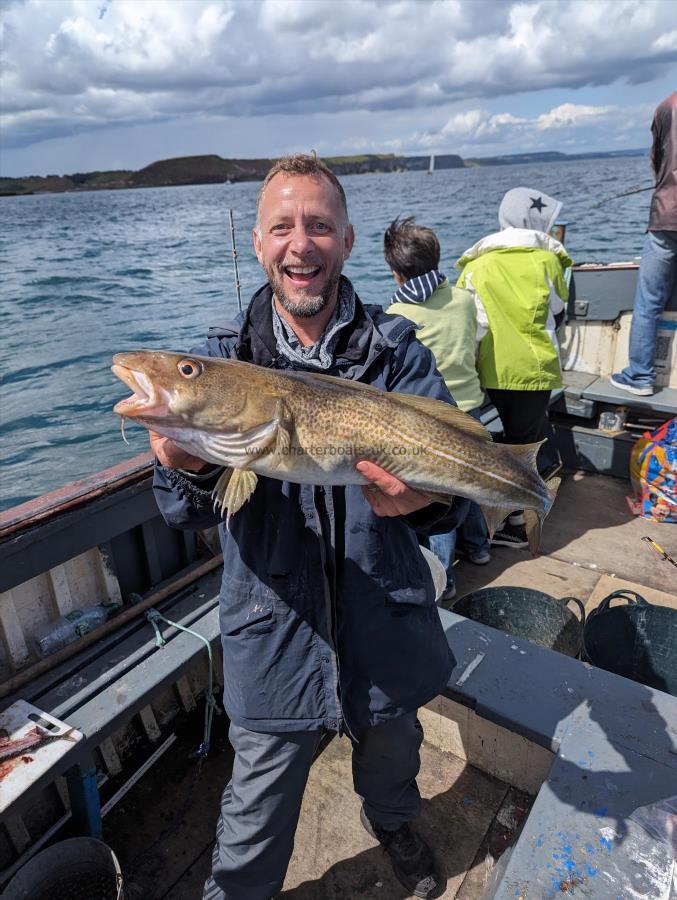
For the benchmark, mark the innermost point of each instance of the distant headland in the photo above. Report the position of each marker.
(214, 169)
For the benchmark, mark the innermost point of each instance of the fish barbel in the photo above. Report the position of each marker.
(313, 429)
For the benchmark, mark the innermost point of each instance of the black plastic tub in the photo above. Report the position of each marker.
(79, 868)
(637, 640)
(526, 613)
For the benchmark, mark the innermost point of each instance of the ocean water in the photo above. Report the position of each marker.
(86, 275)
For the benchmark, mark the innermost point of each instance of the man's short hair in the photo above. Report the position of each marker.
(410, 249)
(302, 164)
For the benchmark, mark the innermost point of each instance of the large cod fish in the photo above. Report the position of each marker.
(312, 429)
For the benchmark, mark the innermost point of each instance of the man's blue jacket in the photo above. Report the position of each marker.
(328, 616)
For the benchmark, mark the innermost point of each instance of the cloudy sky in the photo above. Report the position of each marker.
(103, 84)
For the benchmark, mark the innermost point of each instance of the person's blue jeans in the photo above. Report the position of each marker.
(655, 281)
(471, 533)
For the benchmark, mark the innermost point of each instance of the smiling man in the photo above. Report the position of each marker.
(328, 615)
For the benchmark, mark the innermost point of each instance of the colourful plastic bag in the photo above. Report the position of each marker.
(653, 473)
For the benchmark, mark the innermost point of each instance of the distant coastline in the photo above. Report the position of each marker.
(214, 169)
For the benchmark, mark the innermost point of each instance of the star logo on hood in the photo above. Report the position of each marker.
(537, 203)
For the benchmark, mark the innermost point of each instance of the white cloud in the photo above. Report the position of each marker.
(571, 114)
(479, 127)
(75, 66)
(665, 42)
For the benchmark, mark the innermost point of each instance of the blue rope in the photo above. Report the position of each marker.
(153, 616)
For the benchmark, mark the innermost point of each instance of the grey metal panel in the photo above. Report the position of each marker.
(663, 400)
(548, 697)
(579, 840)
(616, 750)
(575, 382)
(592, 450)
(602, 293)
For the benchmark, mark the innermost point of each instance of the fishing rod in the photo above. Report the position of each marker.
(237, 275)
(635, 190)
(661, 552)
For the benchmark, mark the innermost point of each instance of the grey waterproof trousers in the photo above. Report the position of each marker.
(260, 806)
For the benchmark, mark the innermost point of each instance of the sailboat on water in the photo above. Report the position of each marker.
(431, 167)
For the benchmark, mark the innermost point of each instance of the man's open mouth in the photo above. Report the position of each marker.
(301, 275)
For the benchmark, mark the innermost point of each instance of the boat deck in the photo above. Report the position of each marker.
(591, 546)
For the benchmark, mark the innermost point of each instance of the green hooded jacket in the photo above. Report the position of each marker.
(447, 326)
(515, 275)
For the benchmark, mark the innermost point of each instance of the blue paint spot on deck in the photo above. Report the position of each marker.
(606, 843)
(591, 870)
(600, 811)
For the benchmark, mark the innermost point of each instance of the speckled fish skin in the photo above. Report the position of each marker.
(313, 429)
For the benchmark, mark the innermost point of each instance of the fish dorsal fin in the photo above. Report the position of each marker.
(526, 453)
(445, 412)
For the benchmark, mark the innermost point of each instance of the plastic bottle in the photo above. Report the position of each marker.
(66, 629)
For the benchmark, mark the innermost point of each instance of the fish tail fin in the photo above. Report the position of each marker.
(534, 524)
(534, 519)
(552, 485)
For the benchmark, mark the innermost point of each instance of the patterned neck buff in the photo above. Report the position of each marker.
(419, 288)
(319, 355)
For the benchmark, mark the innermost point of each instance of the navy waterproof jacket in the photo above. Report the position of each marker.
(327, 612)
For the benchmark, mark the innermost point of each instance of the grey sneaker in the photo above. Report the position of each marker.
(481, 558)
(476, 557)
(411, 858)
(620, 380)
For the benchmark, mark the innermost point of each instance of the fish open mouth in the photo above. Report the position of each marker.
(143, 400)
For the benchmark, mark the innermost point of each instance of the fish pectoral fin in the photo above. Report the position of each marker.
(526, 453)
(219, 492)
(241, 486)
(494, 515)
(445, 412)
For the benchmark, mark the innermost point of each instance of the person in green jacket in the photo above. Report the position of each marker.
(517, 279)
(447, 325)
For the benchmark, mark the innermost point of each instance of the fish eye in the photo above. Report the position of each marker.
(190, 368)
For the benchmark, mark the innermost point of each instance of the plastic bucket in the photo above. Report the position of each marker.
(637, 640)
(529, 614)
(80, 868)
